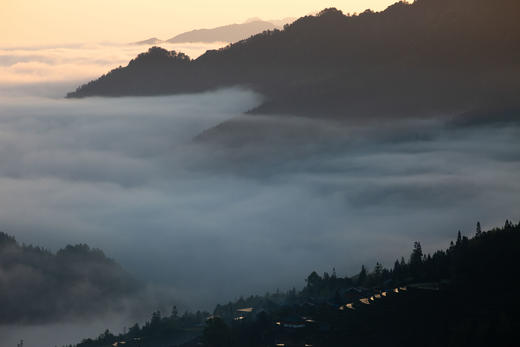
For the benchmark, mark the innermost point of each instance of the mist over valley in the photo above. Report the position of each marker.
(192, 175)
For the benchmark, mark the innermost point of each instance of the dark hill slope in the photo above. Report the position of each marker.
(429, 56)
(465, 295)
(40, 286)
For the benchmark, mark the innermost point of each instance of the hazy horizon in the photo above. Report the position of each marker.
(62, 22)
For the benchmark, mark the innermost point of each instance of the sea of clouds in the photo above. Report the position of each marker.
(208, 223)
(49, 70)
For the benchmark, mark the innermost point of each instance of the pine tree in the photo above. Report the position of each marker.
(362, 275)
(417, 254)
(478, 232)
(378, 270)
(459, 239)
(416, 259)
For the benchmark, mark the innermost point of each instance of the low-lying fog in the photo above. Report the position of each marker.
(210, 224)
(55, 69)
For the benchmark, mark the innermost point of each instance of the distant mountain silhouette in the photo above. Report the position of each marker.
(441, 56)
(281, 22)
(227, 33)
(151, 41)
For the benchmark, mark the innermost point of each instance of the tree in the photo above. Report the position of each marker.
(175, 313)
(134, 330)
(313, 280)
(106, 337)
(362, 277)
(378, 274)
(417, 254)
(378, 270)
(397, 270)
(326, 276)
(156, 318)
(416, 259)
(459, 239)
(216, 333)
(478, 232)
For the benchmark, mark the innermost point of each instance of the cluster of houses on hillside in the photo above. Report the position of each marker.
(288, 325)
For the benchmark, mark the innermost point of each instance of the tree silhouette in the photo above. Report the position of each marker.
(416, 260)
(362, 277)
(216, 333)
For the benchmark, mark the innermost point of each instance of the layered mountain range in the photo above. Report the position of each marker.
(430, 56)
(225, 33)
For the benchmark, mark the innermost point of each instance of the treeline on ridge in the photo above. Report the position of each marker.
(462, 296)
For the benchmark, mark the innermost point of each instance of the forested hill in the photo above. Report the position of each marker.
(37, 285)
(432, 55)
(465, 295)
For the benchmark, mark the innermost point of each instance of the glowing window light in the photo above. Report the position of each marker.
(246, 310)
(364, 301)
(377, 296)
(396, 290)
(403, 288)
(383, 293)
(350, 306)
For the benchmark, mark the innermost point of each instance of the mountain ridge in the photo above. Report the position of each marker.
(225, 33)
(428, 57)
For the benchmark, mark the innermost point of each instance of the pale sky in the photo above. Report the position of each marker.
(43, 22)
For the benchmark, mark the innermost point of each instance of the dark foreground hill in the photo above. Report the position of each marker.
(430, 56)
(38, 286)
(465, 295)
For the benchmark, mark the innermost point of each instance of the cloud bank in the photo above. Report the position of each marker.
(69, 65)
(216, 222)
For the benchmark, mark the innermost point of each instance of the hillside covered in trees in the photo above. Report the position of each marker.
(442, 56)
(462, 296)
(37, 285)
